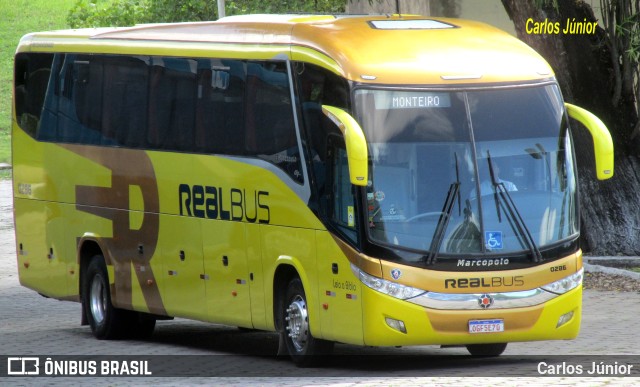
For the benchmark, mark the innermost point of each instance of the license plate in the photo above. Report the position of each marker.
(486, 326)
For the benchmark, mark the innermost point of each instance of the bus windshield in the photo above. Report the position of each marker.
(468, 172)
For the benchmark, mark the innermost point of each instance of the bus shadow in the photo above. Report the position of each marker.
(240, 352)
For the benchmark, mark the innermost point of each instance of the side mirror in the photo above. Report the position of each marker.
(357, 152)
(602, 143)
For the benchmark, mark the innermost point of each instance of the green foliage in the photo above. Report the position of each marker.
(103, 13)
(629, 28)
(95, 13)
(285, 6)
(180, 10)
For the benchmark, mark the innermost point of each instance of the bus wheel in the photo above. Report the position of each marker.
(106, 322)
(304, 349)
(486, 350)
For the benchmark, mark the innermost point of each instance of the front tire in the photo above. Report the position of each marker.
(486, 350)
(304, 349)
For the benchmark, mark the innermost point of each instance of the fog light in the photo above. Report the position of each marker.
(396, 324)
(565, 318)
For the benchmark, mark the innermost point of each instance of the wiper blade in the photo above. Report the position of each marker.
(445, 216)
(494, 182)
(520, 226)
(443, 222)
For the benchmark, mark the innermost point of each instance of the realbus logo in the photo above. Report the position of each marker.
(224, 204)
(491, 282)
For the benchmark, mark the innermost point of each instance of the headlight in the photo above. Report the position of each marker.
(387, 287)
(567, 283)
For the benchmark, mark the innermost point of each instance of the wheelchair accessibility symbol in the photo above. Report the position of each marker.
(493, 240)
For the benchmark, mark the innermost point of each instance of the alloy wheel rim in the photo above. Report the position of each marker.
(297, 323)
(98, 299)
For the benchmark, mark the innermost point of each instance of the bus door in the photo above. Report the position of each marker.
(340, 289)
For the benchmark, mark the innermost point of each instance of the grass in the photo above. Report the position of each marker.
(17, 18)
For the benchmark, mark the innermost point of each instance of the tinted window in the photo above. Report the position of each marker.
(316, 87)
(271, 133)
(343, 213)
(219, 106)
(32, 73)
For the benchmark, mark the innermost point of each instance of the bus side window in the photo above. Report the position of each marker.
(88, 84)
(158, 112)
(270, 127)
(341, 196)
(128, 92)
(316, 87)
(32, 78)
(219, 116)
(172, 100)
(65, 107)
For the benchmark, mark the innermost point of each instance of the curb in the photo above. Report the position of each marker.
(593, 265)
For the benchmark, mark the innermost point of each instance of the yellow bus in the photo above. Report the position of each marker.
(372, 180)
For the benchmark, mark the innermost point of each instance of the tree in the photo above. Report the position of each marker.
(599, 72)
(102, 13)
(95, 13)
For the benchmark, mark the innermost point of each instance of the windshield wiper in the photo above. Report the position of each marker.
(445, 216)
(520, 226)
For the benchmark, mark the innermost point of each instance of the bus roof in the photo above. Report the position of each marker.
(380, 49)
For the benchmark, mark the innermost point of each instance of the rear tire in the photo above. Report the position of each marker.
(486, 350)
(106, 322)
(304, 349)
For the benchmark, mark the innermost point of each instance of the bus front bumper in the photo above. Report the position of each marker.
(390, 321)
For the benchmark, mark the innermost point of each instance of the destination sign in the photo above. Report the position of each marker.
(411, 100)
